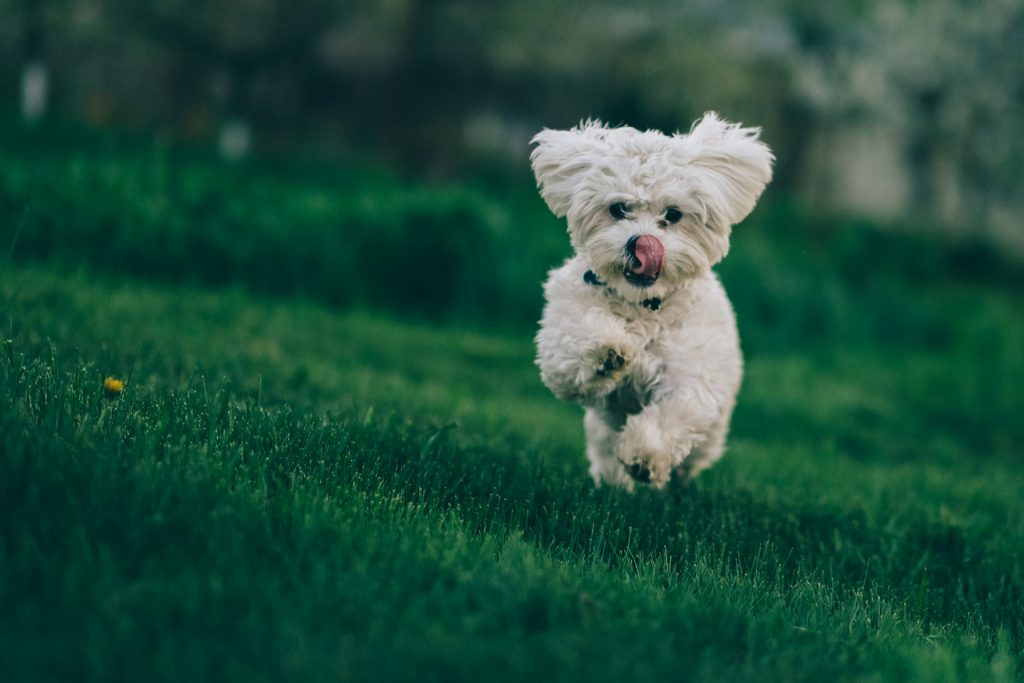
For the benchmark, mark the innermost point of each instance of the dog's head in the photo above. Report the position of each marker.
(649, 211)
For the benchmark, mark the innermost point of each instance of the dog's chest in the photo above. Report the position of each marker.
(652, 333)
(651, 329)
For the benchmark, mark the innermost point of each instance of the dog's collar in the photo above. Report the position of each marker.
(589, 277)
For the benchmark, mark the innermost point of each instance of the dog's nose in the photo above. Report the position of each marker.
(639, 472)
(646, 255)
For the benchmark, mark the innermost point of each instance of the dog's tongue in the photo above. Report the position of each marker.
(649, 254)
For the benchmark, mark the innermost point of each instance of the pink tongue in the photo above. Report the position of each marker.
(649, 255)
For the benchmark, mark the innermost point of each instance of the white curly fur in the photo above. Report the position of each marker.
(658, 386)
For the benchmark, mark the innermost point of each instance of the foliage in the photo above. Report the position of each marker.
(462, 252)
(346, 239)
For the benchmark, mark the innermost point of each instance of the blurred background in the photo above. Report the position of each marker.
(311, 147)
(884, 109)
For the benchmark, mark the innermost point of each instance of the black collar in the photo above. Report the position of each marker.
(654, 303)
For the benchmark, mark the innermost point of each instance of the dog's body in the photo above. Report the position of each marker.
(637, 328)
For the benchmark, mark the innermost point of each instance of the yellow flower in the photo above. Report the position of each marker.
(112, 387)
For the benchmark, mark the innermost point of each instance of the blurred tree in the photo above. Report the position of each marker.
(955, 75)
(935, 86)
(434, 72)
(239, 38)
(823, 87)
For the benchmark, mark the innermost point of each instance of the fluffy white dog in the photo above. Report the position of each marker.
(637, 328)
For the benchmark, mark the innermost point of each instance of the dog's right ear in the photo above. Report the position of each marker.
(560, 160)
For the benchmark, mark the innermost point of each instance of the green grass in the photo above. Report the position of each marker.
(211, 523)
(289, 490)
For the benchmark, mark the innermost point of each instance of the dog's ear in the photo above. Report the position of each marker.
(735, 167)
(560, 160)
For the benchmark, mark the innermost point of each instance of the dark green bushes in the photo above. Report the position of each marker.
(456, 252)
(408, 249)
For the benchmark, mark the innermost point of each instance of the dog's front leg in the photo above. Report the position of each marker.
(661, 436)
(583, 353)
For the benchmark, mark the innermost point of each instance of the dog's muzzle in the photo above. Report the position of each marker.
(645, 255)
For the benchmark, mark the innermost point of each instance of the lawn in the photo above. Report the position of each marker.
(310, 478)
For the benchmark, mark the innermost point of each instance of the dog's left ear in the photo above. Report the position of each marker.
(736, 167)
(561, 159)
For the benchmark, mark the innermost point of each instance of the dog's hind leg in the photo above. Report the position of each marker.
(602, 441)
(705, 454)
(661, 437)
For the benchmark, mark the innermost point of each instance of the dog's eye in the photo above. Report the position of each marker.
(673, 215)
(618, 210)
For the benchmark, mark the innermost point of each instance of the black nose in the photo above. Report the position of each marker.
(634, 262)
(631, 246)
(639, 472)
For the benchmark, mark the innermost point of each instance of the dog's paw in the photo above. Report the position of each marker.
(603, 369)
(646, 468)
(610, 362)
(644, 454)
(610, 472)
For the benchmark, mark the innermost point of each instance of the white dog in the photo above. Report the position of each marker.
(637, 328)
